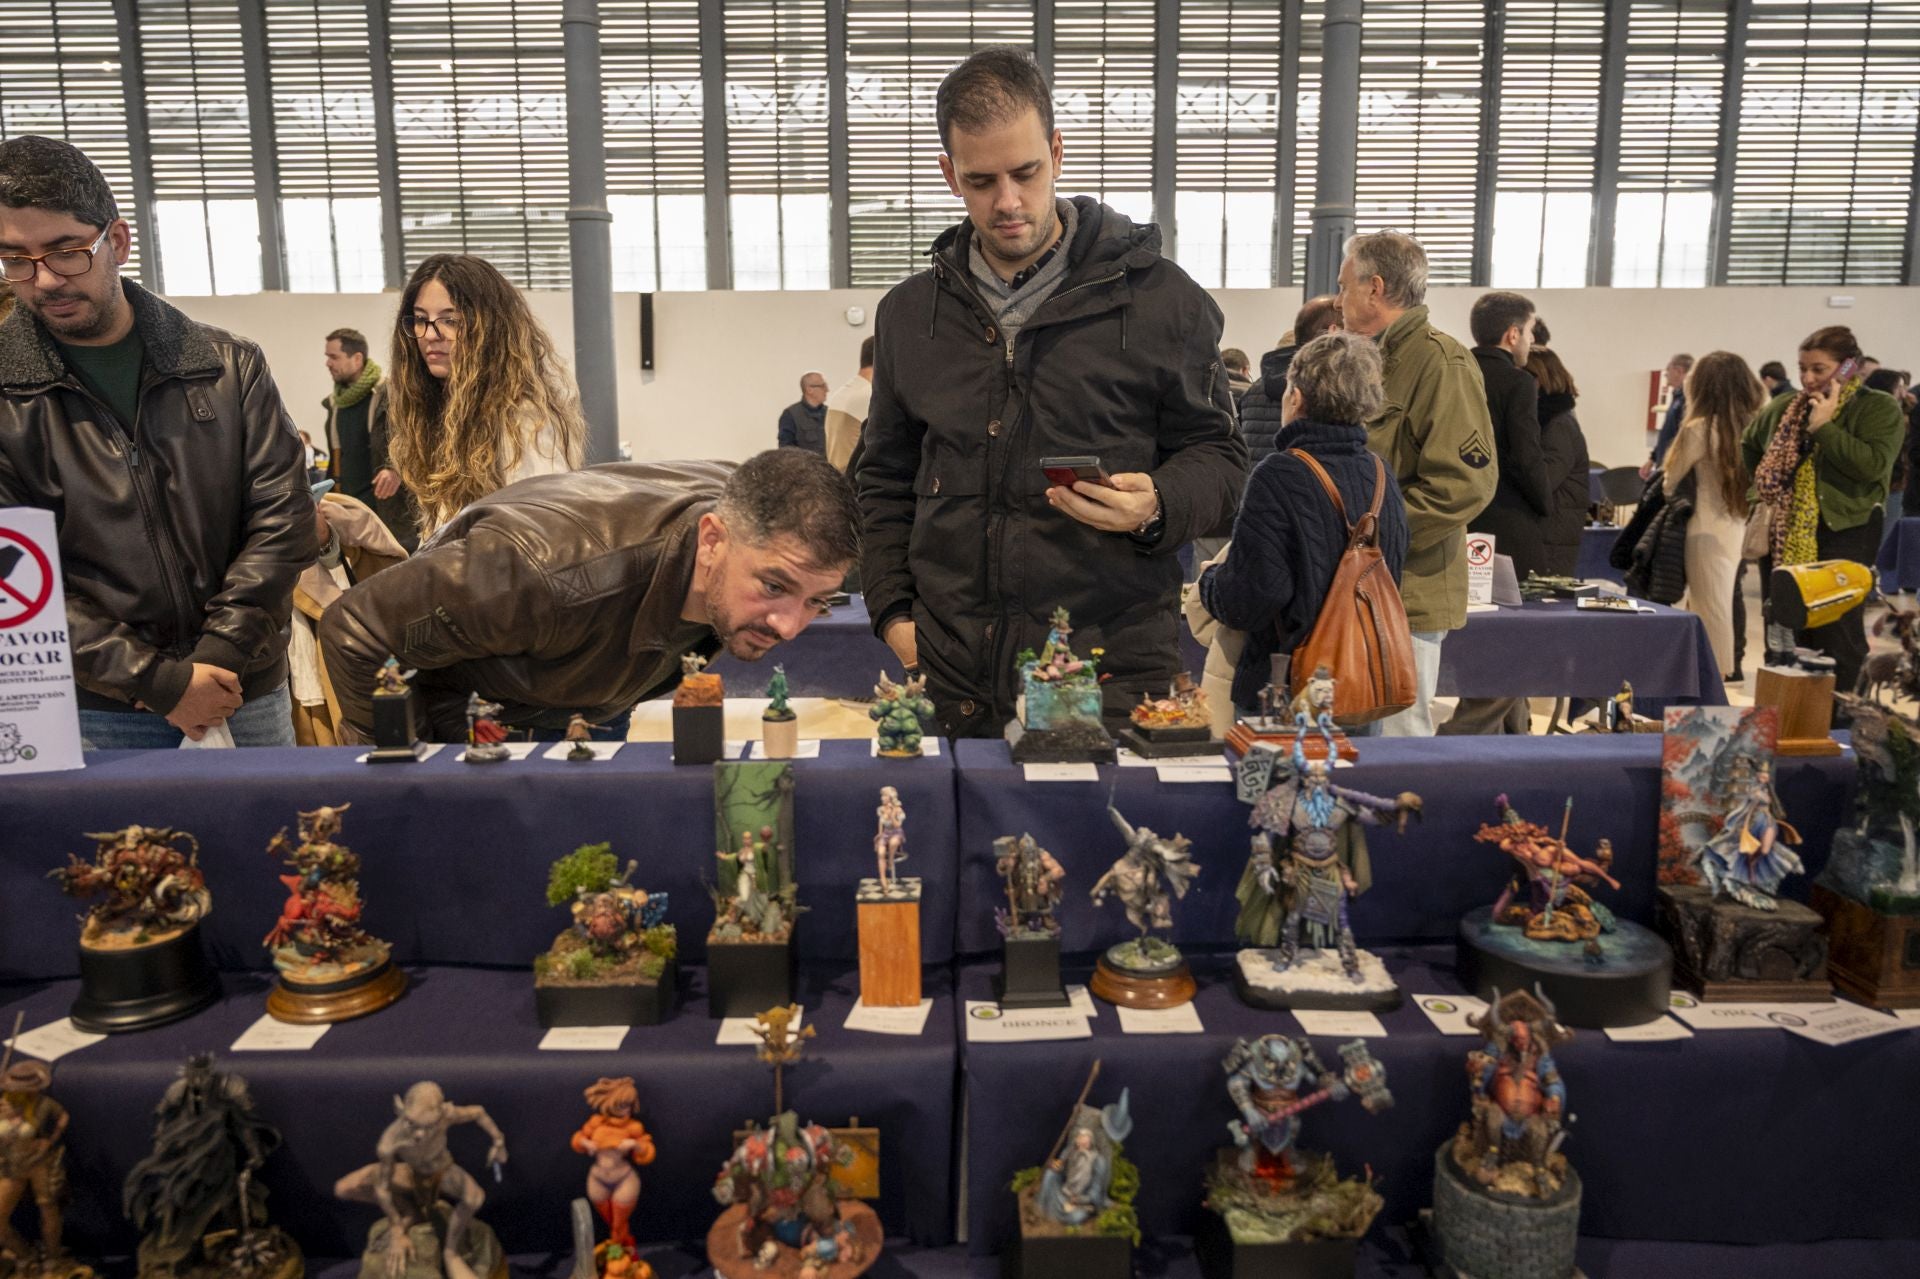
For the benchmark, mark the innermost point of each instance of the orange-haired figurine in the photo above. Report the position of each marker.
(618, 1145)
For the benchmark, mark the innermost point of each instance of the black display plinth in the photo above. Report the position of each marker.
(1087, 1256)
(1171, 743)
(745, 978)
(638, 1004)
(1222, 1257)
(1622, 978)
(699, 734)
(144, 986)
(1030, 974)
(1078, 743)
(396, 733)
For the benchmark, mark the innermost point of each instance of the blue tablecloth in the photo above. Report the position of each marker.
(1551, 649)
(1899, 559)
(1596, 543)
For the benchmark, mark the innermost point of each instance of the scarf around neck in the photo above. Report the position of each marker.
(1786, 481)
(345, 397)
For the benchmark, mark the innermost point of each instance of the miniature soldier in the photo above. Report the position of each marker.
(33, 1157)
(890, 839)
(579, 732)
(415, 1170)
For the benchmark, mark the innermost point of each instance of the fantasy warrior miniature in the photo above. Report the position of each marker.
(1034, 883)
(390, 680)
(1325, 865)
(619, 1145)
(898, 710)
(580, 733)
(614, 963)
(486, 737)
(1749, 856)
(1085, 1187)
(150, 880)
(1512, 1142)
(196, 1199)
(318, 940)
(428, 1201)
(33, 1159)
(1558, 906)
(692, 664)
(1137, 881)
(889, 839)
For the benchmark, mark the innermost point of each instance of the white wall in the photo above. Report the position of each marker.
(726, 363)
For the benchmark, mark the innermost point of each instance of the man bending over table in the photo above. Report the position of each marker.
(581, 592)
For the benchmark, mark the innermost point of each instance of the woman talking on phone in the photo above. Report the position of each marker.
(1822, 461)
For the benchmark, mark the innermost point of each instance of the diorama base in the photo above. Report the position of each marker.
(729, 1259)
(1315, 981)
(1726, 952)
(1030, 974)
(1805, 701)
(641, 1003)
(780, 737)
(1625, 980)
(1064, 1256)
(1221, 1256)
(1474, 1234)
(1074, 744)
(144, 986)
(310, 1004)
(1280, 737)
(1137, 990)
(745, 978)
(890, 950)
(480, 1250)
(274, 1255)
(699, 734)
(1170, 743)
(1872, 956)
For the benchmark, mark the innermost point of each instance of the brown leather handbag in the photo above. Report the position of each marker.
(1361, 635)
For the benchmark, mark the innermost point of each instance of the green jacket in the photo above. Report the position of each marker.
(1436, 436)
(1853, 455)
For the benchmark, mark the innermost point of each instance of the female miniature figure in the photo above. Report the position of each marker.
(1558, 906)
(747, 902)
(1749, 856)
(33, 1157)
(890, 839)
(619, 1145)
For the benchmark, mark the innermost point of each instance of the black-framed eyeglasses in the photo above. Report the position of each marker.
(447, 326)
(20, 268)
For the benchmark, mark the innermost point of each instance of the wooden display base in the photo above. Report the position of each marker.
(1871, 957)
(1805, 702)
(780, 737)
(1242, 736)
(314, 1005)
(699, 734)
(1130, 990)
(1029, 974)
(1728, 953)
(730, 1260)
(745, 978)
(890, 951)
(1223, 1257)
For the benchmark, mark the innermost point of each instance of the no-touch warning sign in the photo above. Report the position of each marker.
(26, 579)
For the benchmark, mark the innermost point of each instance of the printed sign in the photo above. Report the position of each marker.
(1479, 568)
(39, 712)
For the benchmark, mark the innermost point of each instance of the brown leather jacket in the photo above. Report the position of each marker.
(555, 595)
(181, 533)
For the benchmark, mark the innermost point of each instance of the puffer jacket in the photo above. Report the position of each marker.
(1657, 565)
(1260, 407)
(181, 533)
(1121, 362)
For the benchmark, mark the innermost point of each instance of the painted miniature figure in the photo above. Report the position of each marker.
(777, 707)
(330, 968)
(1558, 906)
(755, 895)
(1263, 750)
(1265, 1190)
(887, 910)
(1035, 884)
(1060, 702)
(1512, 1143)
(1150, 875)
(428, 1228)
(779, 724)
(691, 664)
(1325, 864)
(390, 680)
(486, 737)
(615, 963)
(33, 1161)
(396, 733)
(889, 840)
(1750, 855)
(749, 907)
(1181, 723)
(898, 710)
(196, 1198)
(1084, 1192)
(619, 1145)
(580, 734)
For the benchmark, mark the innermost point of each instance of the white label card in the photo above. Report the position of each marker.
(889, 1021)
(1344, 1024)
(988, 1023)
(1705, 1016)
(738, 1031)
(54, 1040)
(602, 751)
(1450, 1013)
(1083, 1000)
(928, 746)
(427, 750)
(1194, 773)
(1835, 1024)
(604, 1039)
(1062, 772)
(731, 749)
(271, 1035)
(1658, 1030)
(1183, 1020)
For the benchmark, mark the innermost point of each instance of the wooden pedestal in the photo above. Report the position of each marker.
(1872, 957)
(1130, 990)
(305, 1004)
(890, 951)
(780, 737)
(1805, 702)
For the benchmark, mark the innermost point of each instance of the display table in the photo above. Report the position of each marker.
(454, 856)
(1548, 648)
(473, 1032)
(1673, 1139)
(1899, 558)
(1423, 881)
(1596, 544)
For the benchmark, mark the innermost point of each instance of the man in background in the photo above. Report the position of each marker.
(1676, 378)
(847, 411)
(1239, 372)
(803, 425)
(1260, 407)
(357, 435)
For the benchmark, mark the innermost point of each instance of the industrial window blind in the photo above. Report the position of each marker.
(204, 190)
(323, 142)
(1548, 103)
(1669, 140)
(60, 78)
(898, 51)
(1420, 78)
(650, 76)
(777, 143)
(1823, 171)
(480, 113)
(1103, 100)
(1226, 140)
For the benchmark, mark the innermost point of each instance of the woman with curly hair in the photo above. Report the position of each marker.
(618, 1143)
(1822, 460)
(479, 398)
(1722, 396)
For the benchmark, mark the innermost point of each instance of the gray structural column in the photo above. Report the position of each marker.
(1287, 153)
(839, 182)
(1043, 39)
(590, 231)
(1487, 174)
(266, 164)
(1912, 272)
(1339, 144)
(713, 115)
(1720, 246)
(386, 144)
(133, 86)
(1606, 169)
(1166, 104)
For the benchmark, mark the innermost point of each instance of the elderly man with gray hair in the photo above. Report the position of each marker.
(1436, 436)
(1288, 538)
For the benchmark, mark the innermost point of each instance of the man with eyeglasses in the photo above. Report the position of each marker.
(162, 447)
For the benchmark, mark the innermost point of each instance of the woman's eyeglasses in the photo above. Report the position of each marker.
(447, 326)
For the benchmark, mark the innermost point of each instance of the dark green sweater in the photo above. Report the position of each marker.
(1852, 455)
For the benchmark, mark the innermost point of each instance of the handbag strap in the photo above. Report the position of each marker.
(1333, 493)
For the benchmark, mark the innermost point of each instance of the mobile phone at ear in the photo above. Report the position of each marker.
(1063, 471)
(1844, 374)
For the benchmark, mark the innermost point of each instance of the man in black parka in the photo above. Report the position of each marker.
(1044, 327)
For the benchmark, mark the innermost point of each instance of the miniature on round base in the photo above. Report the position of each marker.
(330, 968)
(140, 987)
(1315, 980)
(1485, 1235)
(1622, 978)
(1727, 951)
(316, 1003)
(1145, 973)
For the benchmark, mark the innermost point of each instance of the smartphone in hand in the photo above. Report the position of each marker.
(1064, 471)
